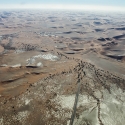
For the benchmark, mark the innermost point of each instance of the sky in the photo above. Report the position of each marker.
(92, 2)
(96, 4)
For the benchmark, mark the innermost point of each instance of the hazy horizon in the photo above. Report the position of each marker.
(63, 7)
(88, 2)
(65, 4)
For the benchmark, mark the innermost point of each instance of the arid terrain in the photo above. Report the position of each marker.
(62, 68)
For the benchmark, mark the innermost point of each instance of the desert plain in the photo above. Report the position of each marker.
(62, 68)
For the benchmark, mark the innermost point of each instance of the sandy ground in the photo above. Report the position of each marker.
(43, 57)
